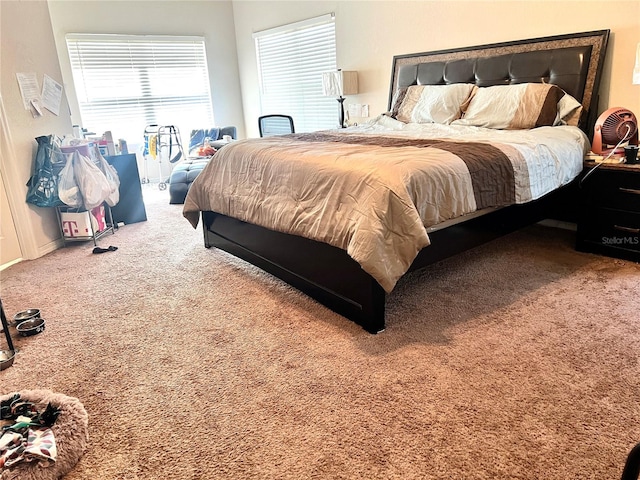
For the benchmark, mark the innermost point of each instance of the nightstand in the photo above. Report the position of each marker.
(609, 217)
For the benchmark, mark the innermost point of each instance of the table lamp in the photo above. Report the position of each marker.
(337, 84)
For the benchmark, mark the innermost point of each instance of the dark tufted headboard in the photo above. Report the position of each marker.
(573, 62)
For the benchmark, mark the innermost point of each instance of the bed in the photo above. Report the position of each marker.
(477, 142)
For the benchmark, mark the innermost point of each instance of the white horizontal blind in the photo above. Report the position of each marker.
(124, 83)
(291, 60)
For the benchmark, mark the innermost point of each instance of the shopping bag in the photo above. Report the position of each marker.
(42, 187)
(92, 183)
(68, 190)
(112, 177)
(76, 224)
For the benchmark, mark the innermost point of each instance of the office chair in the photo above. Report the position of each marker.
(275, 125)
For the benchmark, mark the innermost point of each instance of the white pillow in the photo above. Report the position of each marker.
(569, 111)
(513, 107)
(434, 103)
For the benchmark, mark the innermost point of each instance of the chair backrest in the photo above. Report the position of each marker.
(275, 125)
(199, 134)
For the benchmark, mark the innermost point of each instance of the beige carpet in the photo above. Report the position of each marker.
(518, 360)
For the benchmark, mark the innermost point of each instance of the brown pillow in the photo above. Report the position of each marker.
(398, 97)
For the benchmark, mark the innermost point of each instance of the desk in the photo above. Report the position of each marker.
(130, 208)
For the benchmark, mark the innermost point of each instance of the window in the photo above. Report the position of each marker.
(291, 60)
(124, 83)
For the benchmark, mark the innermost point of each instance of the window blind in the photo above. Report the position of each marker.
(291, 59)
(124, 83)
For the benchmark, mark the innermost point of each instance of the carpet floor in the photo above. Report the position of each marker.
(516, 360)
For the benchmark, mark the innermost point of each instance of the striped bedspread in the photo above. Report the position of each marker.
(372, 190)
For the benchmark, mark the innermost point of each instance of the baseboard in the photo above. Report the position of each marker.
(12, 262)
(50, 247)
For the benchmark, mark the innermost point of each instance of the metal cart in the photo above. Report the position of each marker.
(80, 225)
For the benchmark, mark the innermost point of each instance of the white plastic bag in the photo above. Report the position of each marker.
(93, 185)
(112, 177)
(68, 190)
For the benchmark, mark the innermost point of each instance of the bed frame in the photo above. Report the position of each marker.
(326, 273)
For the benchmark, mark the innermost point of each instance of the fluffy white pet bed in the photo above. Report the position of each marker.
(71, 431)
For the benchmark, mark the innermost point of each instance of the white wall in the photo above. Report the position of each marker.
(28, 47)
(370, 33)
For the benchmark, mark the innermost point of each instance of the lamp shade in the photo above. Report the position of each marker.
(339, 83)
(636, 69)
